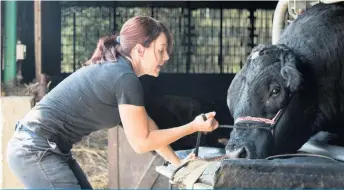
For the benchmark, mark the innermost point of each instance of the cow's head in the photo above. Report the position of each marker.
(272, 103)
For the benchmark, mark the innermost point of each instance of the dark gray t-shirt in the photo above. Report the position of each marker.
(87, 101)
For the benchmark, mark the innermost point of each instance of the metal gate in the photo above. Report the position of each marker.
(206, 40)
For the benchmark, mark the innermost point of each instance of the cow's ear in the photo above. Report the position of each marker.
(259, 47)
(256, 51)
(289, 71)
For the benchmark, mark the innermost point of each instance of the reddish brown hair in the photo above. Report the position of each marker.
(137, 30)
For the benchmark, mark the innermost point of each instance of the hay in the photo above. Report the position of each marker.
(91, 154)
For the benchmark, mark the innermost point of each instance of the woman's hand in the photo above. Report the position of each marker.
(191, 156)
(205, 126)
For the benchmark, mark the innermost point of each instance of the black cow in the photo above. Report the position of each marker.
(287, 92)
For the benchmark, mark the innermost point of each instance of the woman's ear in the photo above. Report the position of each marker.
(139, 50)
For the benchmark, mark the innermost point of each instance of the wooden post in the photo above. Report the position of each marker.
(40, 77)
(113, 158)
(38, 40)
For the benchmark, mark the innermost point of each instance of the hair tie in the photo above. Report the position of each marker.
(117, 39)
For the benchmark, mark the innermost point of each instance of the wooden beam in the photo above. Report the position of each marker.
(150, 176)
(38, 39)
(41, 78)
(113, 158)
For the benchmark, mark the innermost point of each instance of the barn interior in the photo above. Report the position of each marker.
(211, 43)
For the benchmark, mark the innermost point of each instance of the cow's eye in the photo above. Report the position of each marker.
(275, 91)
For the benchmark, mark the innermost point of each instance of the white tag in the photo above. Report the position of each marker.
(21, 52)
(52, 144)
(255, 55)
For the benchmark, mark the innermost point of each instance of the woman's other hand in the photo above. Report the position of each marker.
(190, 157)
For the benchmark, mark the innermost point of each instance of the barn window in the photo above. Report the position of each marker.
(206, 40)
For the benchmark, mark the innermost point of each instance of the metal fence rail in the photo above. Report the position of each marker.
(206, 40)
(81, 28)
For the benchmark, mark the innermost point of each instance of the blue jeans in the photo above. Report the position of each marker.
(39, 163)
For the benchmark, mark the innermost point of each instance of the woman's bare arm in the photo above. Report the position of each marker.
(136, 127)
(166, 151)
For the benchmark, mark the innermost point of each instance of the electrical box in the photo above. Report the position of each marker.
(21, 51)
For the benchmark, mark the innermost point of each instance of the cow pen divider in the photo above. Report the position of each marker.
(148, 171)
(128, 170)
(302, 170)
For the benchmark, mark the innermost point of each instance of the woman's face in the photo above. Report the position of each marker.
(154, 56)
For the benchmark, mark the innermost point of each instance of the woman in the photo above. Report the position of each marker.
(100, 95)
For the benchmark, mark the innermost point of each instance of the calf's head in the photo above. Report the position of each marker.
(272, 104)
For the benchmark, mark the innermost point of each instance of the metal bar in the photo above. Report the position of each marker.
(226, 126)
(176, 4)
(188, 63)
(199, 134)
(1, 39)
(74, 41)
(10, 40)
(179, 69)
(252, 28)
(221, 43)
(114, 18)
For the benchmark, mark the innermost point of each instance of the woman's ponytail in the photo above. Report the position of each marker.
(137, 30)
(108, 48)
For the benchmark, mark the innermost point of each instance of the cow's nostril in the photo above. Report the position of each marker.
(238, 153)
(242, 153)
